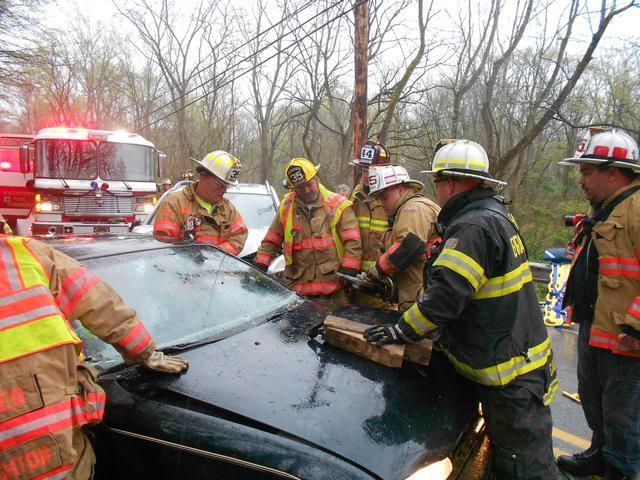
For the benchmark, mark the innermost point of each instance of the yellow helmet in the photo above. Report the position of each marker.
(299, 171)
(221, 164)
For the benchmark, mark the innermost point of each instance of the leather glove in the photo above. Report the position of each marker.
(373, 271)
(159, 362)
(383, 334)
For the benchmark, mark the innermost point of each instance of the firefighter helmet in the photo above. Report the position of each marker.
(189, 175)
(166, 181)
(385, 176)
(613, 148)
(299, 171)
(462, 158)
(223, 165)
(372, 154)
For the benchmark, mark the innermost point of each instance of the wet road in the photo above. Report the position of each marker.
(570, 431)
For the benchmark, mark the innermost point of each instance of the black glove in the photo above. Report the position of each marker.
(262, 267)
(383, 334)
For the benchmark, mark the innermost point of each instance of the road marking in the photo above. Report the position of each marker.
(558, 451)
(571, 438)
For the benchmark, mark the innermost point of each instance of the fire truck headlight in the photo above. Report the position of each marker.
(46, 204)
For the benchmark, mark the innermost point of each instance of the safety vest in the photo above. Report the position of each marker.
(333, 203)
(30, 320)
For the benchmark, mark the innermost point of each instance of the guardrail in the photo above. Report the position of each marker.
(540, 271)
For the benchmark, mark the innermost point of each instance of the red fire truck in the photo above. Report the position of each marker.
(87, 181)
(16, 199)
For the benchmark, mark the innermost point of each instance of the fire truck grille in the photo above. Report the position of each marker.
(90, 204)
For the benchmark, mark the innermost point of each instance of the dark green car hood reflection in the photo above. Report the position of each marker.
(386, 421)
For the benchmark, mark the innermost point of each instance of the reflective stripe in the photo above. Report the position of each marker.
(24, 295)
(550, 394)
(238, 227)
(365, 264)
(505, 372)
(49, 419)
(164, 226)
(273, 237)
(229, 248)
(136, 341)
(74, 288)
(368, 223)
(60, 473)
(30, 316)
(463, 265)
(349, 262)
(610, 342)
(628, 267)
(417, 321)
(449, 163)
(10, 267)
(263, 259)
(350, 234)
(384, 263)
(316, 288)
(505, 284)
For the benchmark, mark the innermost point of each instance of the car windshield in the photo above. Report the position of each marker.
(76, 159)
(185, 294)
(257, 210)
(122, 161)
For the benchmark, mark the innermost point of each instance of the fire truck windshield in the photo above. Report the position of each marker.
(123, 161)
(86, 160)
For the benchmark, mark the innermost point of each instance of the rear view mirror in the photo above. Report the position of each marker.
(161, 158)
(24, 159)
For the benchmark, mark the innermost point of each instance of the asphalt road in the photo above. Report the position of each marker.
(570, 431)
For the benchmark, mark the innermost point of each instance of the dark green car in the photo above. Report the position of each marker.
(264, 396)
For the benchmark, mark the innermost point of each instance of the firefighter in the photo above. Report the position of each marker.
(411, 226)
(317, 232)
(166, 184)
(46, 394)
(480, 305)
(604, 290)
(372, 219)
(189, 175)
(199, 211)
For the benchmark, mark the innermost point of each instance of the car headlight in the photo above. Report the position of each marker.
(436, 471)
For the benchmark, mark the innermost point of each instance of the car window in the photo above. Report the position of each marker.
(257, 210)
(186, 294)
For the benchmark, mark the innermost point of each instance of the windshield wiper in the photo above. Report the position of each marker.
(181, 347)
(60, 177)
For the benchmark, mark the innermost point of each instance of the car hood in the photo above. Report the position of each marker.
(387, 421)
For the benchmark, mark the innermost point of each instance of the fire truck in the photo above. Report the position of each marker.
(16, 199)
(90, 181)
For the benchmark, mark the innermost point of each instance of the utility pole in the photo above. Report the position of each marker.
(361, 45)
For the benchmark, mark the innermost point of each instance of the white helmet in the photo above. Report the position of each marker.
(221, 164)
(613, 148)
(462, 158)
(382, 177)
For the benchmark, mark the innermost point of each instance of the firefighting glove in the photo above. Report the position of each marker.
(374, 272)
(383, 334)
(159, 362)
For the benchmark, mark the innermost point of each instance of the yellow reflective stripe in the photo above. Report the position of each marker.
(463, 265)
(34, 337)
(365, 264)
(505, 284)
(337, 241)
(30, 269)
(505, 372)
(447, 163)
(287, 225)
(417, 321)
(550, 393)
(368, 223)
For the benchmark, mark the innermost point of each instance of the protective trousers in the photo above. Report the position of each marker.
(609, 388)
(519, 427)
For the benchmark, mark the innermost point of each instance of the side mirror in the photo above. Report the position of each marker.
(25, 166)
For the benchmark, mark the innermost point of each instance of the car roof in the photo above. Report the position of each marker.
(85, 247)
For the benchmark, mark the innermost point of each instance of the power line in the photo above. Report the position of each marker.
(199, 71)
(258, 64)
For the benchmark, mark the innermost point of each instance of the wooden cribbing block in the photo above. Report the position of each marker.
(347, 334)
